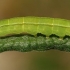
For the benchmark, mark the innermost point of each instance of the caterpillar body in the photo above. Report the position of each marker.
(34, 25)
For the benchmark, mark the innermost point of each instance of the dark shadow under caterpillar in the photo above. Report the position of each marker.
(25, 43)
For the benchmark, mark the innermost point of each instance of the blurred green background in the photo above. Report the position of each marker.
(34, 60)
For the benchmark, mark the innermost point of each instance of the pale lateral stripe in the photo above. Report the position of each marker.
(32, 23)
(37, 27)
(8, 27)
(57, 27)
(67, 28)
(43, 29)
(52, 25)
(8, 21)
(23, 24)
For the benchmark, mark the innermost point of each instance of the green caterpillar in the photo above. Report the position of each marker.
(34, 25)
